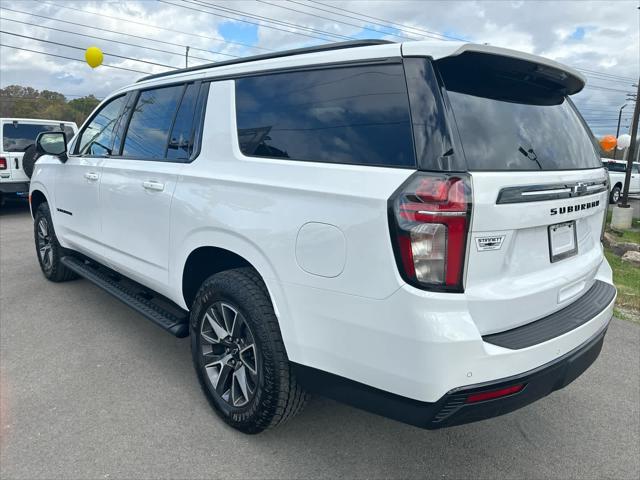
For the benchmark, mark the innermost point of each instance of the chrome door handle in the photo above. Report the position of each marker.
(151, 185)
(91, 176)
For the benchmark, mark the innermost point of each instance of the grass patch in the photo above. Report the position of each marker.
(630, 236)
(626, 278)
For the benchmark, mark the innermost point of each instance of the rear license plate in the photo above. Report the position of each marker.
(563, 241)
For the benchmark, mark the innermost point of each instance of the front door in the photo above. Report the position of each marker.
(77, 192)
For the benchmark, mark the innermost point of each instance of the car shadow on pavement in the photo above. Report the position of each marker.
(14, 207)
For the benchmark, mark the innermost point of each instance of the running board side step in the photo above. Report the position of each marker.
(159, 310)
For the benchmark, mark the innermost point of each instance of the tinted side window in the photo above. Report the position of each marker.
(434, 146)
(97, 137)
(181, 139)
(355, 115)
(151, 121)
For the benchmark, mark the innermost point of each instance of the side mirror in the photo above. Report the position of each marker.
(52, 143)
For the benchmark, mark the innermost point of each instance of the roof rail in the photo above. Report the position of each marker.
(266, 56)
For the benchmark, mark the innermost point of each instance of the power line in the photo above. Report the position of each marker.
(333, 19)
(116, 32)
(598, 87)
(83, 49)
(217, 39)
(268, 19)
(621, 77)
(240, 20)
(70, 58)
(404, 27)
(104, 39)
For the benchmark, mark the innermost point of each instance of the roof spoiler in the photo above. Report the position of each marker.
(476, 61)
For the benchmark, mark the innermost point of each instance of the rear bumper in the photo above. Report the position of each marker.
(14, 187)
(453, 408)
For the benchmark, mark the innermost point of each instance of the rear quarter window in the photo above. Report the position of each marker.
(352, 115)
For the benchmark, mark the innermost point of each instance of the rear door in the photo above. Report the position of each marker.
(539, 192)
(137, 186)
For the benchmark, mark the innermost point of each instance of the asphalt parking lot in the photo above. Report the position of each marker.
(90, 389)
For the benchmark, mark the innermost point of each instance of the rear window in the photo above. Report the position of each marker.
(616, 167)
(354, 115)
(512, 119)
(17, 137)
(501, 135)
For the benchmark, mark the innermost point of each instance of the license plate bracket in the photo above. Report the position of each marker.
(563, 241)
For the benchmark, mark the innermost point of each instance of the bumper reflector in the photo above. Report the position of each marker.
(490, 395)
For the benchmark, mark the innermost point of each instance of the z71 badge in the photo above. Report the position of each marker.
(489, 243)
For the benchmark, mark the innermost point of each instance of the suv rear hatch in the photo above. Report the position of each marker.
(539, 191)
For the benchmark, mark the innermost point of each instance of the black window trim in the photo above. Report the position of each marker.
(80, 132)
(450, 124)
(324, 66)
(204, 85)
(173, 122)
(122, 123)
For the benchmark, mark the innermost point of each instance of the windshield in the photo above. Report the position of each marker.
(517, 135)
(17, 137)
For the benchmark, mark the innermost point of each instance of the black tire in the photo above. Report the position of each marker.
(615, 195)
(29, 160)
(48, 250)
(276, 396)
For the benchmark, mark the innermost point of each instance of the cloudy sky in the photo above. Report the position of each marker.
(599, 38)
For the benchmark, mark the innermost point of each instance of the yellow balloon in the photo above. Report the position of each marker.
(93, 56)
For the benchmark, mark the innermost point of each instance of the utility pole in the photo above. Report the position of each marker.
(615, 150)
(186, 57)
(631, 153)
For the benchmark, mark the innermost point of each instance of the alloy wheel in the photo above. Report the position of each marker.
(44, 244)
(229, 354)
(616, 196)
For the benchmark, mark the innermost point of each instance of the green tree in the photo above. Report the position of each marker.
(26, 102)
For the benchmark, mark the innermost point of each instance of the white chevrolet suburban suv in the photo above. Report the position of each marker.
(413, 229)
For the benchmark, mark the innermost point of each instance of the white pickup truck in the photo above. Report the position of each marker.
(617, 170)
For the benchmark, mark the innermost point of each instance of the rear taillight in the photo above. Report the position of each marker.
(429, 222)
(3, 163)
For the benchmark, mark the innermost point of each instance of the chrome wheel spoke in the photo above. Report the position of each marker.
(42, 228)
(240, 391)
(230, 317)
(248, 359)
(216, 326)
(219, 372)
